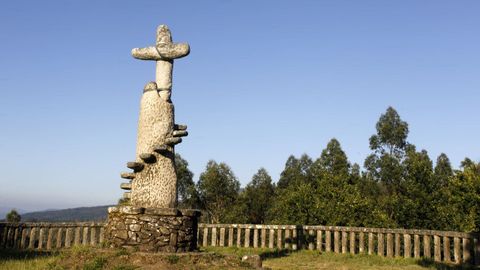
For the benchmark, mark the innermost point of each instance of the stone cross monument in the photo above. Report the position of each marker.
(155, 185)
(150, 221)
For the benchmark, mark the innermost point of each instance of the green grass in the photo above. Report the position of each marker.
(306, 259)
(88, 258)
(20, 260)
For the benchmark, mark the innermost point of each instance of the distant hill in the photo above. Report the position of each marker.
(95, 213)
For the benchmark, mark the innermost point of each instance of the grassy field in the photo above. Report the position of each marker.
(85, 258)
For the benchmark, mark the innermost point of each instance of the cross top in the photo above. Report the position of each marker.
(163, 53)
(164, 49)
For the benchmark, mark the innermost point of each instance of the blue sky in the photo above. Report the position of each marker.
(265, 79)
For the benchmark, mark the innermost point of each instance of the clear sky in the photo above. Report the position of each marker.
(264, 80)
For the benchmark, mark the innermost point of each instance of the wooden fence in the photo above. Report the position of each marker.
(441, 246)
(449, 247)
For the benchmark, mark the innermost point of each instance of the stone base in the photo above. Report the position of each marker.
(152, 229)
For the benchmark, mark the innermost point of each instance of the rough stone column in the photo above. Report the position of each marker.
(154, 181)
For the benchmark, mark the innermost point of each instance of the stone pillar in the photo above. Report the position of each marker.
(446, 249)
(153, 183)
(319, 240)
(271, 238)
(328, 241)
(407, 243)
(263, 237)
(370, 244)
(361, 242)
(389, 245)
(416, 246)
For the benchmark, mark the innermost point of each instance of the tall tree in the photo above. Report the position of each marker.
(443, 171)
(460, 208)
(384, 165)
(392, 132)
(332, 161)
(416, 208)
(218, 190)
(258, 197)
(294, 193)
(389, 146)
(295, 171)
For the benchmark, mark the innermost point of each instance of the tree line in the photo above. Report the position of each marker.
(398, 187)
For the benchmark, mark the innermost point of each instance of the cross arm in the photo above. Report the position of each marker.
(163, 51)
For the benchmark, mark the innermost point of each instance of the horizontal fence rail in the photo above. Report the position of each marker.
(441, 246)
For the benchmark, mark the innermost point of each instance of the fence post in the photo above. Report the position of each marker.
(328, 241)
(93, 236)
(398, 245)
(456, 250)
(239, 236)
(446, 249)
(263, 236)
(416, 246)
(102, 235)
(319, 240)
(58, 244)
(68, 237)
(271, 238)
(361, 242)
(85, 236)
(77, 236)
(380, 244)
(214, 237)
(247, 237)
(205, 236)
(23, 242)
(49, 238)
(407, 243)
(437, 248)
(41, 238)
(389, 245)
(222, 236)
(255, 237)
(16, 236)
(426, 247)
(279, 237)
(370, 244)
(336, 241)
(344, 242)
(287, 238)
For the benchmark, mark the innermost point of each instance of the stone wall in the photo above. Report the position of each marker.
(153, 229)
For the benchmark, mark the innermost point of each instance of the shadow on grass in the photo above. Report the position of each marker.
(443, 266)
(13, 254)
(275, 253)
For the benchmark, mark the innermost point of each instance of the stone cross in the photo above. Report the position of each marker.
(154, 180)
(163, 53)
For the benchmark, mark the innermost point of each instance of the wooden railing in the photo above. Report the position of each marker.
(449, 247)
(441, 246)
(48, 236)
